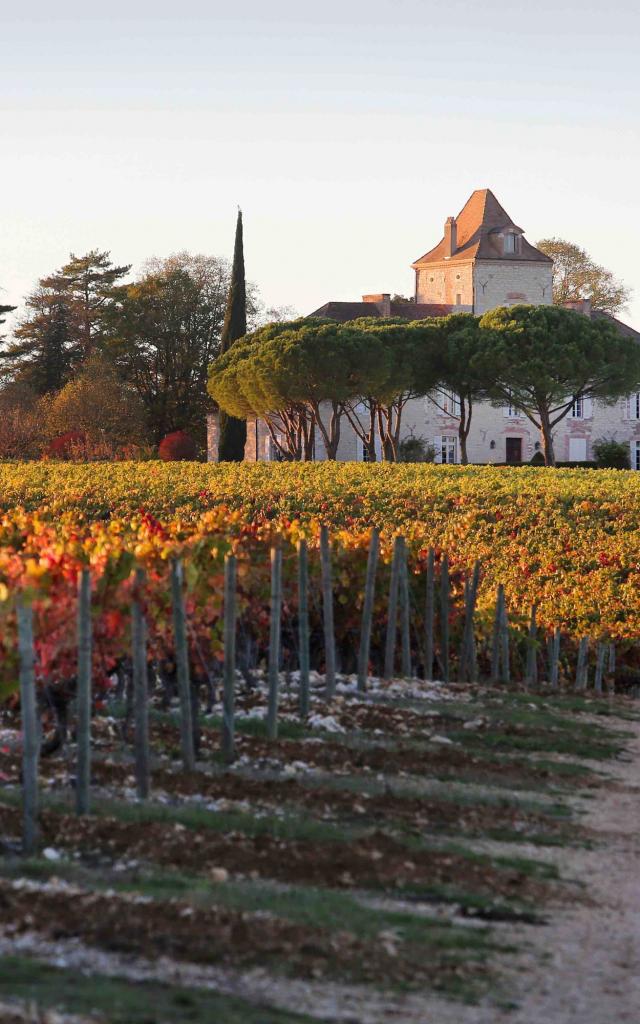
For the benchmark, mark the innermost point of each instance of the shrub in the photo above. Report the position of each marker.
(178, 447)
(415, 449)
(64, 446)
(611, 454)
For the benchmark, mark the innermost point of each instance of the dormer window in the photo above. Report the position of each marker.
(510, 243)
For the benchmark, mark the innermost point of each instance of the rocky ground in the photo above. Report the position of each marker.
(422, 853)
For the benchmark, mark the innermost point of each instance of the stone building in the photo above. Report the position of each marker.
(482, 261)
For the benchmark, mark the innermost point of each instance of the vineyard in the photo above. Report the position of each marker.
(316, 738)
(567, 542)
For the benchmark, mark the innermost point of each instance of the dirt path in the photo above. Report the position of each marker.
(592, 975)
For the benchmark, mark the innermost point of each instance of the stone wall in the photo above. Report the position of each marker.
(444, 282)
(508, 282)
(256, 448)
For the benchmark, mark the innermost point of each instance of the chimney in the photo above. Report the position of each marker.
(579, 305)
(450, 237)
(382, 301)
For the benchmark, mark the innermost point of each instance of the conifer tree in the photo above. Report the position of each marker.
(41, 357)
(233, 432)
(66, 313)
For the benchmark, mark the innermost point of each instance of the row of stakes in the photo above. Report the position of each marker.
(399, 602)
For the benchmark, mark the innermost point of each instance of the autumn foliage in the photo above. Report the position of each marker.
(177, 447)
(567, 540)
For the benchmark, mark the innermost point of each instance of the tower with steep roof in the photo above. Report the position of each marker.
(483, 260)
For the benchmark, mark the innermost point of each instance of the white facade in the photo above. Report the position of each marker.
(505, 435)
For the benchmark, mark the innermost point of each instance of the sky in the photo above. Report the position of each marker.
(347, 132)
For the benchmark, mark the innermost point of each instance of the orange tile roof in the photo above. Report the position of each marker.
(480, 218)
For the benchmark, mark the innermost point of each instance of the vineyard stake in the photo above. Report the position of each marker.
(600, 659)
(465, 668)
(531, 676)
(555, 658)
(505, 673)
(445, 595)
(182, 666)
(229, 671)
(327, 610)
(274, 642)
(428, 618)
(367, 609)
(140, 690)
(405, 613)
(392, 610)
(30, 728)
(83, 773)
(303, 626)
(582, 669)
(495, 639)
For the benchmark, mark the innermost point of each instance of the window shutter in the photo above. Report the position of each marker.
(437, 444)
(587, 408)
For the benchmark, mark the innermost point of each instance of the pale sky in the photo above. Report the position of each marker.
(347, 131)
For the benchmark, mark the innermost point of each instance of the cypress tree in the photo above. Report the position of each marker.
(233, 432)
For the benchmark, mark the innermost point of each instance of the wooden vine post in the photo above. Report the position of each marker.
(392, 609)
(303, 626)
(367, 610)
(531, 671)
(405, 614)
(582, 668)
(466, 670)
(445, 598)
(274, 643)
(182, 666)
(429, 617)
(140, 688)
(495, 637)
(327, 611)
(554, 667)
(83, 773)
(229, 670)
(30, 728)
(505, 668)
(600, 660)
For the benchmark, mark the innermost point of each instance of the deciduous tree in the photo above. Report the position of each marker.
(577, 276)
(99, 406)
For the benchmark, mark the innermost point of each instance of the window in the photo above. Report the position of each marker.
(581, 409)
(509, 243)
(635, 454)
(448, 403)
(633, 406)
(448, 449)
(511, 412)
(458, 299)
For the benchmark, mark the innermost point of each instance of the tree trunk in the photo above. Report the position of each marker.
(463, 431)
(547, 439)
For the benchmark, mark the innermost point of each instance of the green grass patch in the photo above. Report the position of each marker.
(125, 1002)
(317, 908)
